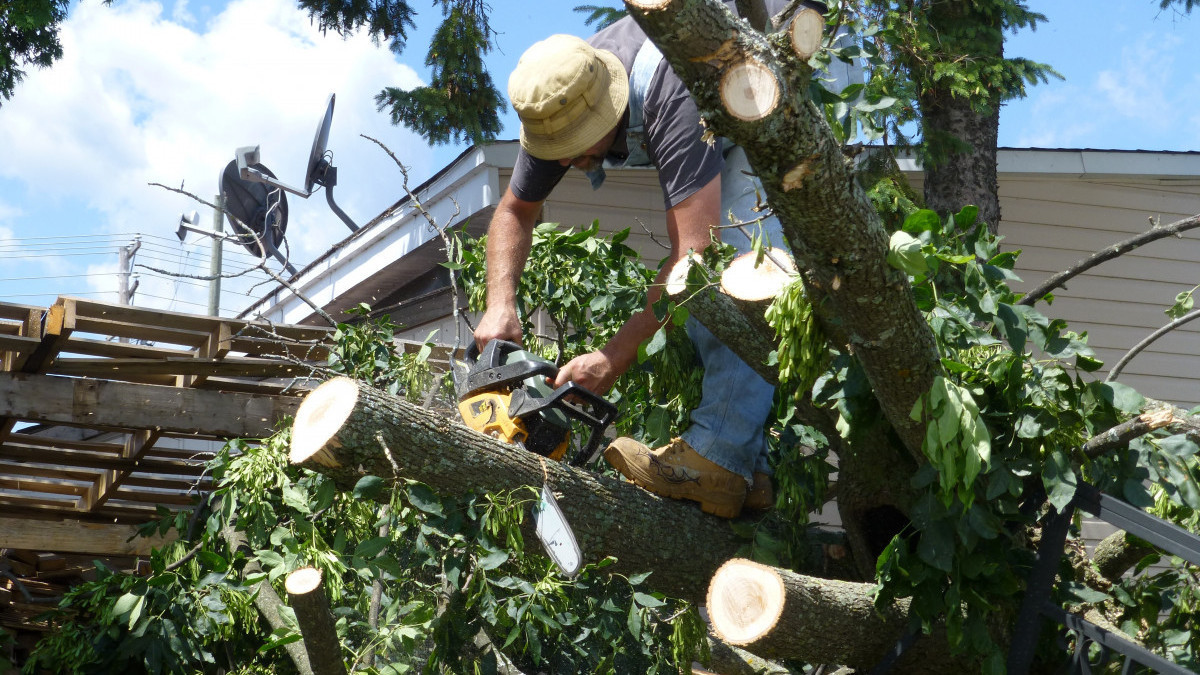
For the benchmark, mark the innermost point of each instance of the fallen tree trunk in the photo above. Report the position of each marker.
(779, 614)
(307, 598)
(347, 430)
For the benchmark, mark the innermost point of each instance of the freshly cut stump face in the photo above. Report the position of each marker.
(318, 419)
(746, 281)
(749, 91)
(303, 581)
(745, 601)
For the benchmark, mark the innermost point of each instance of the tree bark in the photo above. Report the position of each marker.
(778, 614)
(267, 601)
(833, 230)
(961, 133)
(307, 598)
(1116, 553)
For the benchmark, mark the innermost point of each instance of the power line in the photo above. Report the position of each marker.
(58, 276)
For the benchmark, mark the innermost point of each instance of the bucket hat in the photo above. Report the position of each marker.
(568, 95)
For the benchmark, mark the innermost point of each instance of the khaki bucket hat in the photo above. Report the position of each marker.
(568, 95)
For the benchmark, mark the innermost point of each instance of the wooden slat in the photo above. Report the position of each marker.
(18, 343)
(62, 443)
(74, 536)
(216, 347)
(132, 315)
(15, 312)
(89, 460)
(129, 368)
(174, 336)
(181, 485)
(42, 485)
(131, 498)
(110, 480)
(112, 349)
(36, 470)
(58, 326)
(105, 404)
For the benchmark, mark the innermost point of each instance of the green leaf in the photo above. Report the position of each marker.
(922, 221)
(368, 487)
(422, 497)
(647, 600)
(1059, 480)
(637, 579)
(1083, 593)
(634, 621)
(937, 546)
(1184, 302)
(124, 604)
(1012, 327)
(296, 498)
(905, 254)
(1122, 397)
(657, 342)
(371, 547)
(493, 560)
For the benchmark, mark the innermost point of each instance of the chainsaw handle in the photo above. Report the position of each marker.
(493, 373)
(598, 419)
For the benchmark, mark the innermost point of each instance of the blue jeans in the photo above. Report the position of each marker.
(727, 426)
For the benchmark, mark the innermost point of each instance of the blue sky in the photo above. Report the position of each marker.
(165, 91)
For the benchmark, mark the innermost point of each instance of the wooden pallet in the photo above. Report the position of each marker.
(95, 399)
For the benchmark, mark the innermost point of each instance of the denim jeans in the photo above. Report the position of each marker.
(727, 426)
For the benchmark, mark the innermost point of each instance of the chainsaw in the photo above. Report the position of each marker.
(503, 393)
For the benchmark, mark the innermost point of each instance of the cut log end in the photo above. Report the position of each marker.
(678, 276)
(749, 91)
(646, 5)
(746, 281)
(805, 32)
(318, 419)
(745, 601)
(303, 581)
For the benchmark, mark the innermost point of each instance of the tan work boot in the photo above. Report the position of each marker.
(677, 471)
(761, 496)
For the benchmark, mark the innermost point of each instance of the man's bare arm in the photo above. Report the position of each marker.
(510, 236)
(689, 225)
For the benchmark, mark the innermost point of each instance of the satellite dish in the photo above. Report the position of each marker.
(258, 213)
(318, 171)
(317, 165)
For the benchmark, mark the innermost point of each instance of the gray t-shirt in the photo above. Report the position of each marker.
(672, 127)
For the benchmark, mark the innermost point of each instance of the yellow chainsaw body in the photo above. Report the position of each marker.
(487, 412)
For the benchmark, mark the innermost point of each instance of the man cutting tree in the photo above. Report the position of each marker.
(614, 101)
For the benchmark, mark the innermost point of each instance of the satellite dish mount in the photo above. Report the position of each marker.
(319, 172)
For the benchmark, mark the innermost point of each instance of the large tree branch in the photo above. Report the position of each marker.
(754, 92)
(346, 430)
(1153, 234)
(1149, 340)
(267, 601)
(779, 614)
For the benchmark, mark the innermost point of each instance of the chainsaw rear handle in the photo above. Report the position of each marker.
(495, 372)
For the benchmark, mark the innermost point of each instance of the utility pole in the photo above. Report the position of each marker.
(125, 255)
(214, 269)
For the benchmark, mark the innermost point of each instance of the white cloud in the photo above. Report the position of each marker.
(1137, 102)
(139, 97)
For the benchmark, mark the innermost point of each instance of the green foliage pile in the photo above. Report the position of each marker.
(1005, 426)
